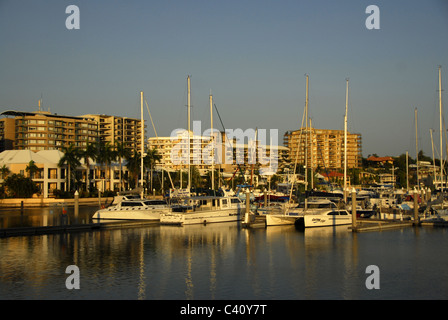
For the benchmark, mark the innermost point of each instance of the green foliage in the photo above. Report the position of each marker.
(20, 187)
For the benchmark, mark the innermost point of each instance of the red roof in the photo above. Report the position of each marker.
(333, 174)
(379, 159)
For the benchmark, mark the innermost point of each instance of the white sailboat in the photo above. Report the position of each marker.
(136, 208)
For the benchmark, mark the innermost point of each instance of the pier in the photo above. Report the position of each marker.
(72, 228)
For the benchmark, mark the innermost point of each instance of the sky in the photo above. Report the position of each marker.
(251, 55)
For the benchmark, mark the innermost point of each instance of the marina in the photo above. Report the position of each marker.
(226, 154)
(225, 261)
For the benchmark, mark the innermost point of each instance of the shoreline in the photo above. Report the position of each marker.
(48, 202)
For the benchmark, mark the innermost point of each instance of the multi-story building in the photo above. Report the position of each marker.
(323, 148)
(42, 130)
(174, 153)
(118, 129)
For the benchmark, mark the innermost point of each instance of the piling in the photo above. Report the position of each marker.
(247, 215)
(76, 205)
(354, 222)
(415, 207)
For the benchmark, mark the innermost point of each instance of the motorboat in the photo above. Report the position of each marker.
(325, 218)
(292, 215)
(133, 209)
(204, 210)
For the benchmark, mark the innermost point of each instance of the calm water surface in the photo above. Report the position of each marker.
(225, 261)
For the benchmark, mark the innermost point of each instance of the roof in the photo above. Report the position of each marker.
(21, 156)
(379, 159)
(332, 174)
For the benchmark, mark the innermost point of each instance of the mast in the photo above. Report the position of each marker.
(212, 138)
(189, 138)
(441, 129)
(416, 147)
(433, 157)
(345, 141)
(306, 135)
(311, 154)
(142, 146)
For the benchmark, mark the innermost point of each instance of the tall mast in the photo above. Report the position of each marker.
(142, 146)
(345, 141)
(212, 138)
(306, 135)
(441, 129)
(416, 146)
(189, 138)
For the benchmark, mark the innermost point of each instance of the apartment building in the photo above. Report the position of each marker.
(118, 129)
(228, 153)
(42, 130)
(323, 148)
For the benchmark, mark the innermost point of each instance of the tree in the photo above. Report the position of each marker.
(133, 165)
(4, 170)
(151, 158)
(106, 155)
(71, 159)
(31, 168)
(20, 187)
(122, 153)
(90, 153)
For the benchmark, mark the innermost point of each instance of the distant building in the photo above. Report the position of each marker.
(323, 148)
(230, 153)
(42, 130)
(118, 129)
(381, 160)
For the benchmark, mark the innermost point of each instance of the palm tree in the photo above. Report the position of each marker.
(90, 153)
(133, 165)
(152, 156)
(105, 156)
(122, 153)
(31, 168)
(71, 159)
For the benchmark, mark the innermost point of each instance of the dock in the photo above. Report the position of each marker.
(368, 225)
(72, 228)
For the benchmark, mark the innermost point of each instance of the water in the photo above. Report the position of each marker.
(226, 262)
(49, 216)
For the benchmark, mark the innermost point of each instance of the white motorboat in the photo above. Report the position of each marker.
(292, 215)
(134, 209)
(325, 218)
(203, 210)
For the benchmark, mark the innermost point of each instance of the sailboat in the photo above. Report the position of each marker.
(316, 212)
(442, 212)
(135, 208)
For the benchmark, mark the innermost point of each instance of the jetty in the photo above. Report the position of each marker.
(73, 228)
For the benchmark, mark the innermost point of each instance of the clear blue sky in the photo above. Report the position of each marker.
(252, 55)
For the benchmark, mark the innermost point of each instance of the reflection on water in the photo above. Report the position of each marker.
(225, 261)
(48, 216)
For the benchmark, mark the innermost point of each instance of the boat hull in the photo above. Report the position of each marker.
(316, 220)
(280, 219)
(123, 214)
(205, 217)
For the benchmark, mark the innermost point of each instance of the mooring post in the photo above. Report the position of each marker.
(246, 217)
(76, 205)
(354, 209)
(415, 206)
